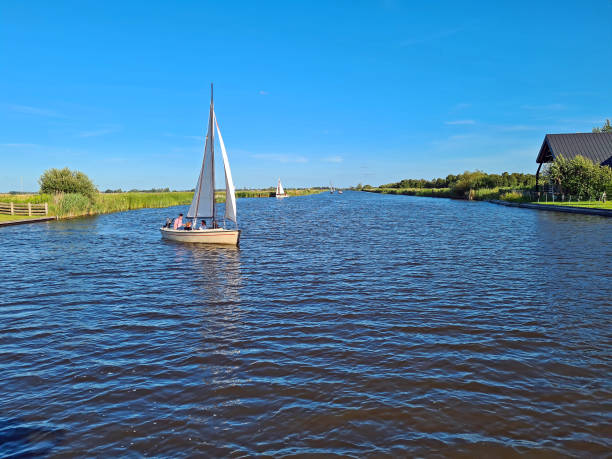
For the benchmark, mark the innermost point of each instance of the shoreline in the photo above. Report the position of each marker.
(108, 203)
(28, 220)
(524, 205)
(554, 208)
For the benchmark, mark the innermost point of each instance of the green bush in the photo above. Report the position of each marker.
(64, 180)
(469, 181)
(513, 196)
(579, 177)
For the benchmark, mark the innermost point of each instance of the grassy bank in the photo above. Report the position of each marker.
(587, 204)
(482, 194)
(426, 192)
(486, 194)
(9, 218)
(74, 205)
(269, 193)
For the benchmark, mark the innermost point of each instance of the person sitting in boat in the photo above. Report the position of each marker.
(203, 224)
(178, 222)
(188, 226)
(214, 224)
(168, 223)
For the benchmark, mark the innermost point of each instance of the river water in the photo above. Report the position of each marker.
(355, 324)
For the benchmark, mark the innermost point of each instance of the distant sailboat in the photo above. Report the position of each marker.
(280, 192)
(331, 187)
(203, 203)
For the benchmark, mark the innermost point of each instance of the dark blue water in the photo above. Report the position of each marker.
(354, 324)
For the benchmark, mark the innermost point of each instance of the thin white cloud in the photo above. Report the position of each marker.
(281, 158)
(458, 122)
(333, 159)
(34, 111)
(263, 93)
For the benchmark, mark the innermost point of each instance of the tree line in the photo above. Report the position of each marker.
(476, 179)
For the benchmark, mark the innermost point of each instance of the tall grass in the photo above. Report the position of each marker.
(426, 192)
(117, 202)
(513, 196)
(74, 204)
(250, 194)
(303, 191)
(481, 194)
(271, 194)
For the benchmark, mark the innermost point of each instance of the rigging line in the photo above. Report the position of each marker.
(211, 129)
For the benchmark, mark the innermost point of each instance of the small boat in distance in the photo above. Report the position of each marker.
(280, 192)
(203, 204)
(331, 187)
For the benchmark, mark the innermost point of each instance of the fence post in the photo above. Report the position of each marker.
(46, 209)
(29, 209)
(12, 208)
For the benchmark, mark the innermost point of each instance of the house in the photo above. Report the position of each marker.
(596, 146)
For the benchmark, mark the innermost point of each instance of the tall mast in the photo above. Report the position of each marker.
(212, 148)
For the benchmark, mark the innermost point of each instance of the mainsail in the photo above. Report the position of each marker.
(203, 203)
(279, 188)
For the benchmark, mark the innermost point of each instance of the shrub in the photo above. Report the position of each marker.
(64, 180)
(579, 176)
(468, 181)
(513, 196)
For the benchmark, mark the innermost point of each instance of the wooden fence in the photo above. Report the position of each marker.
(550, 194)
(24, 208)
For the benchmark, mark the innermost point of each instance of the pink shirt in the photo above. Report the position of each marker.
(178, 223)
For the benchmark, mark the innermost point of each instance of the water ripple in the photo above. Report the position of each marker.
(354, 325)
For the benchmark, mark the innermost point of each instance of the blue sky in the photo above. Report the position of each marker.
(347, 91)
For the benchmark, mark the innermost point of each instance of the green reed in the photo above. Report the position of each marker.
(74, 204)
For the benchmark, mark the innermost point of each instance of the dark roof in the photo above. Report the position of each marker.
(596, 146)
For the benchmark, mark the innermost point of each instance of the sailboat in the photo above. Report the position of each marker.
(331, 187)
(203, 205)
(280, 192)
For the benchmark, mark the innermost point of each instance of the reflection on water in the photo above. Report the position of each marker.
(353, 325)
(214, 271)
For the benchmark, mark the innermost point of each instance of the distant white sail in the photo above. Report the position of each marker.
(279, 188)
(230, 194)
(202, 204)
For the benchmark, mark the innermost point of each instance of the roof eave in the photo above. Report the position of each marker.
(545, 146)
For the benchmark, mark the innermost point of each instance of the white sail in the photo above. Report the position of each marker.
(279, 188)
(230, 194)
(203, 204)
